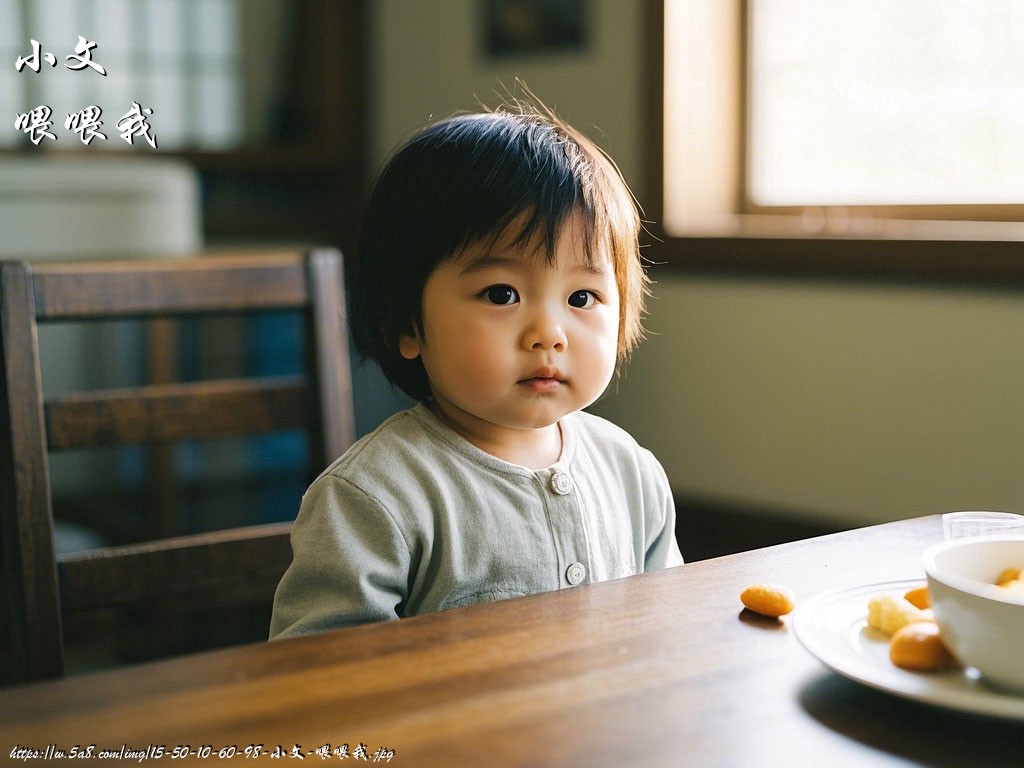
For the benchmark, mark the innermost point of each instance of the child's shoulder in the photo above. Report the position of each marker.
(400, 434)
(598, 430)
(612, 449)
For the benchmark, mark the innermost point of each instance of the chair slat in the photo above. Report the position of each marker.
(154, 287)
(168, 412)
(238, 563)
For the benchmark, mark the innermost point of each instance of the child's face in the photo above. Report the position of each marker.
(512, 344)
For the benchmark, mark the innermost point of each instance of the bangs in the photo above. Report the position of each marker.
(535, 236)
(518, 178)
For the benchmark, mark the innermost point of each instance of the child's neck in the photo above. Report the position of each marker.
(530, 448)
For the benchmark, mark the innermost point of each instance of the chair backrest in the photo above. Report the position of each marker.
(42, 590)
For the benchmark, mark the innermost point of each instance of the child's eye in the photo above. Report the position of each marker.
(582, 299)
(501, 294)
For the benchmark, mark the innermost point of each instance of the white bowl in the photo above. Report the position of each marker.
(983, 624)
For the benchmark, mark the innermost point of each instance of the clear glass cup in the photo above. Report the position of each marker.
(961, 525)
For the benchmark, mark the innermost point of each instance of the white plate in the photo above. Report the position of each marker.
(833, 627)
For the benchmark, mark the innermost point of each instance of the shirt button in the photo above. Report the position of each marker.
(561, 483)
(576, 573)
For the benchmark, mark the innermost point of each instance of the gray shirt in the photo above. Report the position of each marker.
(414, 518)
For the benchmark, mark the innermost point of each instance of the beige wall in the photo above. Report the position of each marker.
(852, 402)
(427, 62)
(864, 403)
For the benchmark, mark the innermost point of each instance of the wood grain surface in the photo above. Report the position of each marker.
(661, 669)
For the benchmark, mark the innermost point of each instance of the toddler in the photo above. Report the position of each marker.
(499, 284)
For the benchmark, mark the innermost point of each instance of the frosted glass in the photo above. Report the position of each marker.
(218, 28)
(221, 120)
(881, 102)
(10, 30)
(118, 91)
(11, 99)
(62, 93)
(114, 30)
(164, 28)
(169, 118)
(180, 58)
(56, 29)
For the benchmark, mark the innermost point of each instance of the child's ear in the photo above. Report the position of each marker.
(409, 346)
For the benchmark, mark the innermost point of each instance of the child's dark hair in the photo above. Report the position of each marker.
(464, 180)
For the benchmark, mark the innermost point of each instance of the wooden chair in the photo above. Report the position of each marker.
(41, 590)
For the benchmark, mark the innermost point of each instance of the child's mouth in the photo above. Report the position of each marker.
(542, 384)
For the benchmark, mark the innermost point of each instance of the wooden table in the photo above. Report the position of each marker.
(663, 669)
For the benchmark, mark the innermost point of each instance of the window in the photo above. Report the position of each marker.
(841, 114)
(183, 60)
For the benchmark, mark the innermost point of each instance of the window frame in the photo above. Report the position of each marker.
(776, 241)
(142, 64)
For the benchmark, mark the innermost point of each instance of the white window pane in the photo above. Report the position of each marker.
(118, 93)
(11, 37)
(880, 102)
(11, 105)
(114, 31)
(164, 28)
(220, 122)
(54, 27)
(166, 97)
(218, 25)
(118, 65)
(62, 94)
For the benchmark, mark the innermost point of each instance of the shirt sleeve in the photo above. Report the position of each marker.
(662, 545)
(350, 563)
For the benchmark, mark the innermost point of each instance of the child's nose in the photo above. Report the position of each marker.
(545, 332)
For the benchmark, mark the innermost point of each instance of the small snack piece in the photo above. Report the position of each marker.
(768, 599)
(1008, 576)
(919, 597)
(918, 646)
(887, 613)
(1011, 580)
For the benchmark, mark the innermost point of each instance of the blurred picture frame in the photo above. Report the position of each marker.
(532, 27)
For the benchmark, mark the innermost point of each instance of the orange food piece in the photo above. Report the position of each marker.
(768, 599)
(1008, 575)
(918, 646)
(919, 597)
